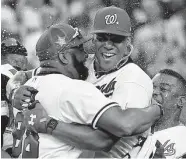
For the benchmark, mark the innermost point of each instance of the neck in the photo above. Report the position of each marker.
(168, 120)
(120, 64)
(55, 69)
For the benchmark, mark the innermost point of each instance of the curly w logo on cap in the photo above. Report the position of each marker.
(111, 19)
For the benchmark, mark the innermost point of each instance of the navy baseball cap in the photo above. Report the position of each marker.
(57, 38)
(112, 20)
(12, 46)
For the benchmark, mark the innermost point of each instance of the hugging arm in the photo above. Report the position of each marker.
(84, 137)
(128, 122)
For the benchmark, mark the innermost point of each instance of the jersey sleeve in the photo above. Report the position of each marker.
(85, 104)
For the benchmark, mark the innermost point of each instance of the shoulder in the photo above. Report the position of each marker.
(133, 73)
(172, 133)
(49, 81)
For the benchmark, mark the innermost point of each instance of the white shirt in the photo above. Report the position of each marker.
(129, 86)
(69, 101)
(173, 140)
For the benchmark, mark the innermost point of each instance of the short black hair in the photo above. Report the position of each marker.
(174, 74)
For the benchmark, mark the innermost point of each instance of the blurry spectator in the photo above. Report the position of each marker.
(13, 58)
(174, 48)
(170, 90)
(14, 54)
(161, 43)
(30, 26)
(148, 39)
(170, 7)
(41, 15)
(9, 25)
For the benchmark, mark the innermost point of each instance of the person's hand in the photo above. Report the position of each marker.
(23, 97)
(36, 118)
(16, 81)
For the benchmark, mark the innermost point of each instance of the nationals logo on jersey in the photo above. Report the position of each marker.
(107, 89)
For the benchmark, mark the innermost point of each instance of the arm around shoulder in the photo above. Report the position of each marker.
(128, 122)
(84, 137)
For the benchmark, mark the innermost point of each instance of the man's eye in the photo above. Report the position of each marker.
(117, 39)
(163, 89)
(101, 39)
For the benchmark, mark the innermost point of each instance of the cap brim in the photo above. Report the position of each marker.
(111, 32)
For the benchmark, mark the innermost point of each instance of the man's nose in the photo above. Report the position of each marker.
(108, 44)
(157, 95)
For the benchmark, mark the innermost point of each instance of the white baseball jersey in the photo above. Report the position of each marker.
(173, 140)
(70, 101)
(129, 86)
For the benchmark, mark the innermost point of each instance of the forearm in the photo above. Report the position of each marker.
(128, 122)
(83, 137)
(142, 119)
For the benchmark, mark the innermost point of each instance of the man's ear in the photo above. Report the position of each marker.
(128, 41)
(129, 45)
(64, 58)
(181, 101)
(94, 39)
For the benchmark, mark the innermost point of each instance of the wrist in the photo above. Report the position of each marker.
(51, 125)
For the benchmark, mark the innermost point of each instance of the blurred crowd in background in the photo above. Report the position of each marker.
(158, 27)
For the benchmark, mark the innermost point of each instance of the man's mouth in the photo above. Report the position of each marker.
(107, 55)
(158, 99)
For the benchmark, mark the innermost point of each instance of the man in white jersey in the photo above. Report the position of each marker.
(112, 71)
(70, 100)
(170, 90)
(13, 58)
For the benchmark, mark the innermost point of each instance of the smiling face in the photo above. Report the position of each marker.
(110, 49)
